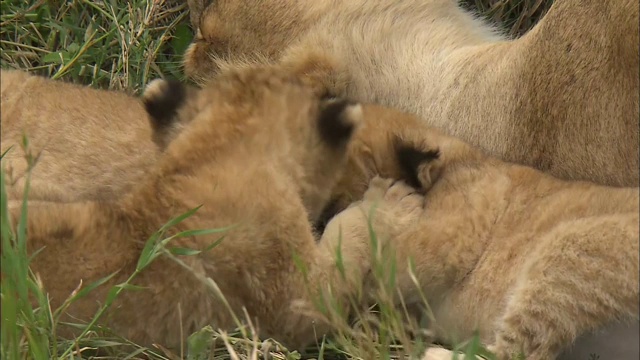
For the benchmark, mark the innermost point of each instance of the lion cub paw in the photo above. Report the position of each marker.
(391, 205)
(381, 189)
(388, 204)
(388, 207)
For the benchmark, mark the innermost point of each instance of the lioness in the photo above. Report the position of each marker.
(563, 98)
(530, 261)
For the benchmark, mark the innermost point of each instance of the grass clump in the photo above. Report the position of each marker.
(107, 44)
(22, 326)
(516, 17)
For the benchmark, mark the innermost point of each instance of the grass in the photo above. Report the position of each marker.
(514, 16)
(107, 44)
(123, 45)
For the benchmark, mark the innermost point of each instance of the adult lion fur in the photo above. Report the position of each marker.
(563, 98)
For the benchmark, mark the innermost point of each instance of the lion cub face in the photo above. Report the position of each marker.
(258, 110)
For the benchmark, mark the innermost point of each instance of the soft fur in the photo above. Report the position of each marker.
(260, 153)
(392, 144)
(92, 145)
(563, 98)
(85, 143)
(93, 222)
(530, 261)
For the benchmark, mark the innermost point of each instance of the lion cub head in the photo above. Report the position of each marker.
(396, 145)
(260, 117)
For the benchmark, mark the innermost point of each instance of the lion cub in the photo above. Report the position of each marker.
(563, 98)
(530, 261)
(260, 153)
(87, 144)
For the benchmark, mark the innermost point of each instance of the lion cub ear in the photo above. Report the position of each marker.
(165, 102)
(338, 120)
(421, 166)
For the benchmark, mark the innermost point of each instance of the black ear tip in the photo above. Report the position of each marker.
(410, 158)
(162, 99)
(337, 121)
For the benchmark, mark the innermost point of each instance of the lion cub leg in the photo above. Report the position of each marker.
(582, 277)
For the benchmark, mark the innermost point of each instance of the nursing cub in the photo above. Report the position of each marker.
(563, 98)
(260, 154)
(530, 261)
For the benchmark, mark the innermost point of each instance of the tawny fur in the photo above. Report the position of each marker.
(92, 144)
(256, 157)
(372, 152)
(101, 227)
(87, 143)
(530, 261)
(563, 98)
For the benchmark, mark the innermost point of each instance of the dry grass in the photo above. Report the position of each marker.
(108, 44)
